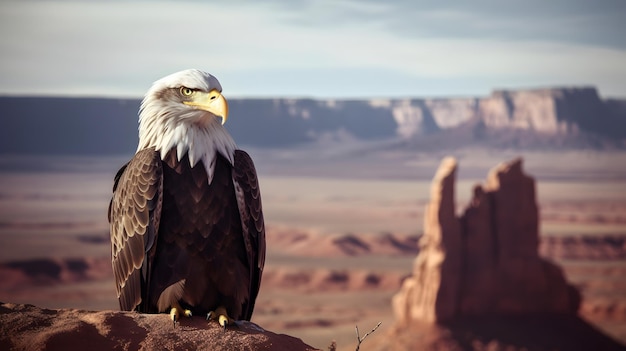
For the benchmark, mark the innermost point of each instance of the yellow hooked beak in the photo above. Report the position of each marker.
(213, 102)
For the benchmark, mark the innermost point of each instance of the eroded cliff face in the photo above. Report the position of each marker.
(539, 118)
(527, 110)
(485, 262)
(547, 112)
(556, 111)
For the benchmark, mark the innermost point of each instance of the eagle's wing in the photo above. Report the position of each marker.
(253, 227)
(134, 214)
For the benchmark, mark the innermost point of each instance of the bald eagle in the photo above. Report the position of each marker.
(186, 223)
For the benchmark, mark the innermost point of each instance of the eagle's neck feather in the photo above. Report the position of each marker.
(201, 139)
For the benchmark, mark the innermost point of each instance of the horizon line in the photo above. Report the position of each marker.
(493, 91)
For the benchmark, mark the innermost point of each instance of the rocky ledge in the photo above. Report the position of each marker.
(27, 327)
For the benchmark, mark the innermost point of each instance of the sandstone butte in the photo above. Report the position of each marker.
(478, 282)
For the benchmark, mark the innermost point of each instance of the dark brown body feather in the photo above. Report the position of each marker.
(168, 225)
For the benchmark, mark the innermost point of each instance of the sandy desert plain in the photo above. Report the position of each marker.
(342, 232)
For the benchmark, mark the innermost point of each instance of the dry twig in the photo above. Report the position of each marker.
(333, 346)
(360, 339)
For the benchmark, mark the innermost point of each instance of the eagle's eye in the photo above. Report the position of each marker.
(186, 91)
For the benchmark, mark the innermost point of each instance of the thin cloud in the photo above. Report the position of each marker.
(320, 49)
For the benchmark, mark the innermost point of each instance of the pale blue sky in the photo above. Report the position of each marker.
(328, 48)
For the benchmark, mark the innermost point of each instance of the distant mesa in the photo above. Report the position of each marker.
(585, 247)
(307, 243)
(351, 244)
(574, 117)
(536, 118)
(45, 271)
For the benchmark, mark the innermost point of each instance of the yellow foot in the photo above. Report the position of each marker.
(176, 311)
(221, 316)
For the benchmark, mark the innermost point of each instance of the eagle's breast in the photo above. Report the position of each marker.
(200, 235)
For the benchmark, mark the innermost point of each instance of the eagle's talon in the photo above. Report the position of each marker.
(174, 315)
(223, 321)
(221, 316)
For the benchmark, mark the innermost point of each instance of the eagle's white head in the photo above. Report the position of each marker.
(186, 111)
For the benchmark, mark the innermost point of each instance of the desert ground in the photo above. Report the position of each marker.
(342, 233)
